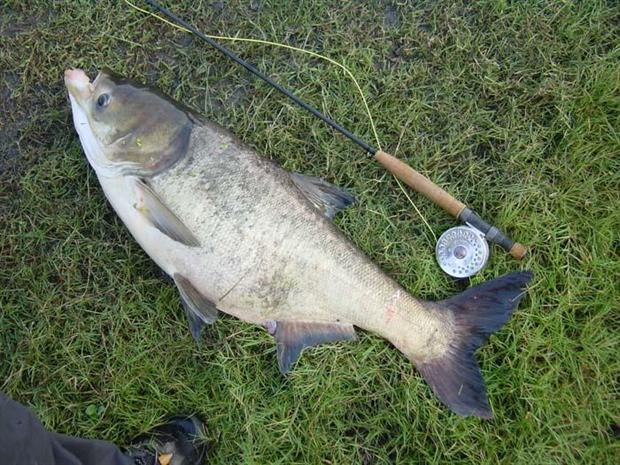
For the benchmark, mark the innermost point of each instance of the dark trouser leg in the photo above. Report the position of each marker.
(24, 441)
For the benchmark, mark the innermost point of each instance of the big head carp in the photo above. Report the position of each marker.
(240, 235)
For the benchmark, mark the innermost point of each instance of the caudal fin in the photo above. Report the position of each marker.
(479, 311)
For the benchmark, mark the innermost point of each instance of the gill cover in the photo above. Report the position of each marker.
(139, 130)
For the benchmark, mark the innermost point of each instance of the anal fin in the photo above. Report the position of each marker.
(294, 336)
(199, 309)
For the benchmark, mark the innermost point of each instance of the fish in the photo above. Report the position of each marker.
(239, 234)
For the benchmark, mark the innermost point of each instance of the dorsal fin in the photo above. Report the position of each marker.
(328, 198)
(294, 336)
(160, 216)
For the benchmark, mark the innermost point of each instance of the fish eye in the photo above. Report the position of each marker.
(103, 100)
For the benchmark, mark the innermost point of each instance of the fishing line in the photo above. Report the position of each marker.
(183, 26)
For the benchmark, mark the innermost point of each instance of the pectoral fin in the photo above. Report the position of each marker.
(294, 336)
(160, 216)
(328, 198)
(199, 310)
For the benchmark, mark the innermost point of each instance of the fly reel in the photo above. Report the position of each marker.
(462, 251)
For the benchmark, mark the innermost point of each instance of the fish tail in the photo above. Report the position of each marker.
(477, 312)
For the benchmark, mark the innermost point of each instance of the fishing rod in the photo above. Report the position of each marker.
(454, 247)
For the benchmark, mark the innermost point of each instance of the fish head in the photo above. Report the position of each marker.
(125, 127)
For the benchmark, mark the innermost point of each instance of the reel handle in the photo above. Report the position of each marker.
(454, 207)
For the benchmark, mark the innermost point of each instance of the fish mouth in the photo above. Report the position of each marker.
(78, 84)
(81, 91)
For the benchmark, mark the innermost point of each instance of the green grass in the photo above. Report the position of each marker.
(512, 106)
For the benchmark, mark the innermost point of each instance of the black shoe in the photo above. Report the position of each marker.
(177, 442)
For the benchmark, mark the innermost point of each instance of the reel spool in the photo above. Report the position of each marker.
(462, 251)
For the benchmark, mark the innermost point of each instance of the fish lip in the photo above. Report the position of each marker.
(78, 85)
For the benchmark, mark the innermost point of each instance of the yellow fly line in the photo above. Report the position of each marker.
(308, 52)
(277, 44)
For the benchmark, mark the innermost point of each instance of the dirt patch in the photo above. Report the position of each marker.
(9, 27)
(9, 128)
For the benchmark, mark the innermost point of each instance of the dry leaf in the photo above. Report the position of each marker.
(164, 459)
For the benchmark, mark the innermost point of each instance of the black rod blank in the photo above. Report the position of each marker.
(252, 69)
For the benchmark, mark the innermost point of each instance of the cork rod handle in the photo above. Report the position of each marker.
(420, 183)
(438, 196)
